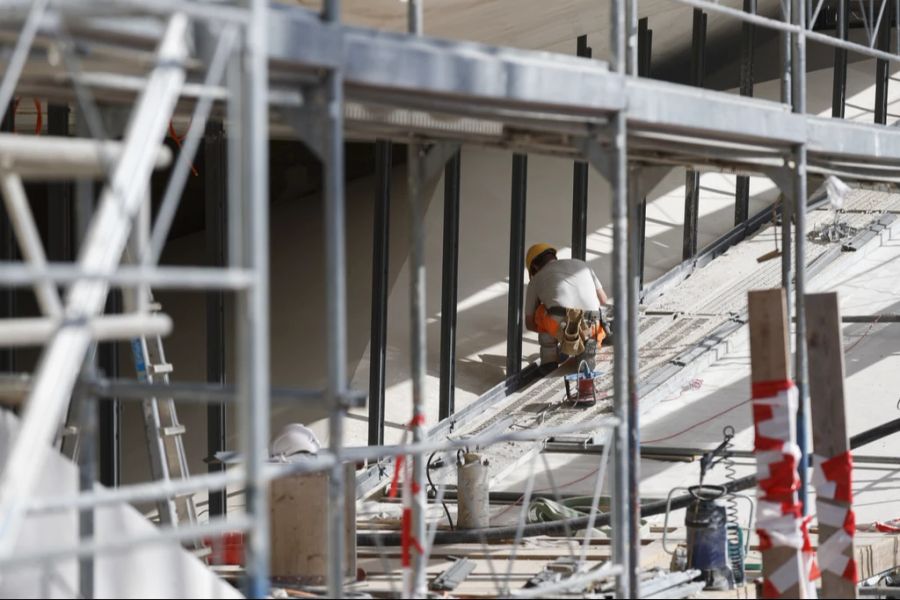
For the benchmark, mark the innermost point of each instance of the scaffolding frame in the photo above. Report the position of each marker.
(404, 87)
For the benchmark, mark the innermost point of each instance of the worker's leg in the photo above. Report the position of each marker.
(547, 327)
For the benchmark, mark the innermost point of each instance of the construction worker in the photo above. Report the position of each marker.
(562, 305)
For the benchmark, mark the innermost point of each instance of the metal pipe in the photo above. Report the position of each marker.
(692, 177)
(449, 286)
(515, 300)
(87, 467)
(618, 178)
(336, 301)
(645, 47)
(631, 324)
(380, 278)
(186, 278)
(7, 254)
(215, 199)
(254, 303)
(415, 165)
(798, 67)
(110, 408)
(34, 331)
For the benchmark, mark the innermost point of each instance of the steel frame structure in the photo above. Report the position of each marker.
(328, 81)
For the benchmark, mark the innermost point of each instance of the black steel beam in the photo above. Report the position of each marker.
(380, 264)
(60, 216)
(215, 160)
(109, 450)
(839, 83)
(742, 183)
(516, 264)
(7, 252)
(449, 286)
(645, 48)
(692, 178)
(580, 186)
(882, 67)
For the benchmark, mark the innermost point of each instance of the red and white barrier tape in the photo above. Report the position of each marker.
(779, 515)
(832, 478)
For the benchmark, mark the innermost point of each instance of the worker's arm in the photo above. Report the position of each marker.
(601, 295)
(531, 304)
(529, 322)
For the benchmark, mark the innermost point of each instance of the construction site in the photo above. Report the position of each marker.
(449, 298)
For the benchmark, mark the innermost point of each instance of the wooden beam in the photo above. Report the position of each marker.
(769, 361)
(829, 419)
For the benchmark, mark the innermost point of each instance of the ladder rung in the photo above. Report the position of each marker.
(161, 369)
(172, 430)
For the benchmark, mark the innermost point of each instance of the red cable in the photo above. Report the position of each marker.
(703, 422)
(177, 139)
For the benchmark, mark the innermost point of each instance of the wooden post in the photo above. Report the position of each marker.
(769, 361)
(829, 425)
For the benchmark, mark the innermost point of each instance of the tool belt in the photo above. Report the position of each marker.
(578, 327)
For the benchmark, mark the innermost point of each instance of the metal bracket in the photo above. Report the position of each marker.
(597, 154)
(783, 177)
(649, 176)
(433, 160)
(308, 122)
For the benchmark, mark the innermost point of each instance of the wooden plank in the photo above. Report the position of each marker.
(876, 554)
(828, 415)
(769, 360)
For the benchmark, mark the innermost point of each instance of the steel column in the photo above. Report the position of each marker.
(839, 85)
(692, 178)
(580, 186)
(214, 191)
(450, 279)
(742, 183)
(882, 67)
(798, 66)
(380, 271)
(645, 48)
(516, 264)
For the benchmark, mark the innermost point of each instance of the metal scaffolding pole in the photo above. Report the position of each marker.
(798, 66)
(449, 286)
(882, 67)
(515, 300)
(742, 183)
(253, 308)
(645, 48)
(415, 587)
(64, 355)
(380, 272)
(692, 177)
(336, 301)
(7, 253)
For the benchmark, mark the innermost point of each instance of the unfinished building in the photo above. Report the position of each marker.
(266, 321)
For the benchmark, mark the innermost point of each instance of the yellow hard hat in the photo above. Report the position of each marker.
(536, 251)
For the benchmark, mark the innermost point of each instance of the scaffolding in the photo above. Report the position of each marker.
(326, 80)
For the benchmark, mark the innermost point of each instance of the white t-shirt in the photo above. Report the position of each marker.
(569, 283)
